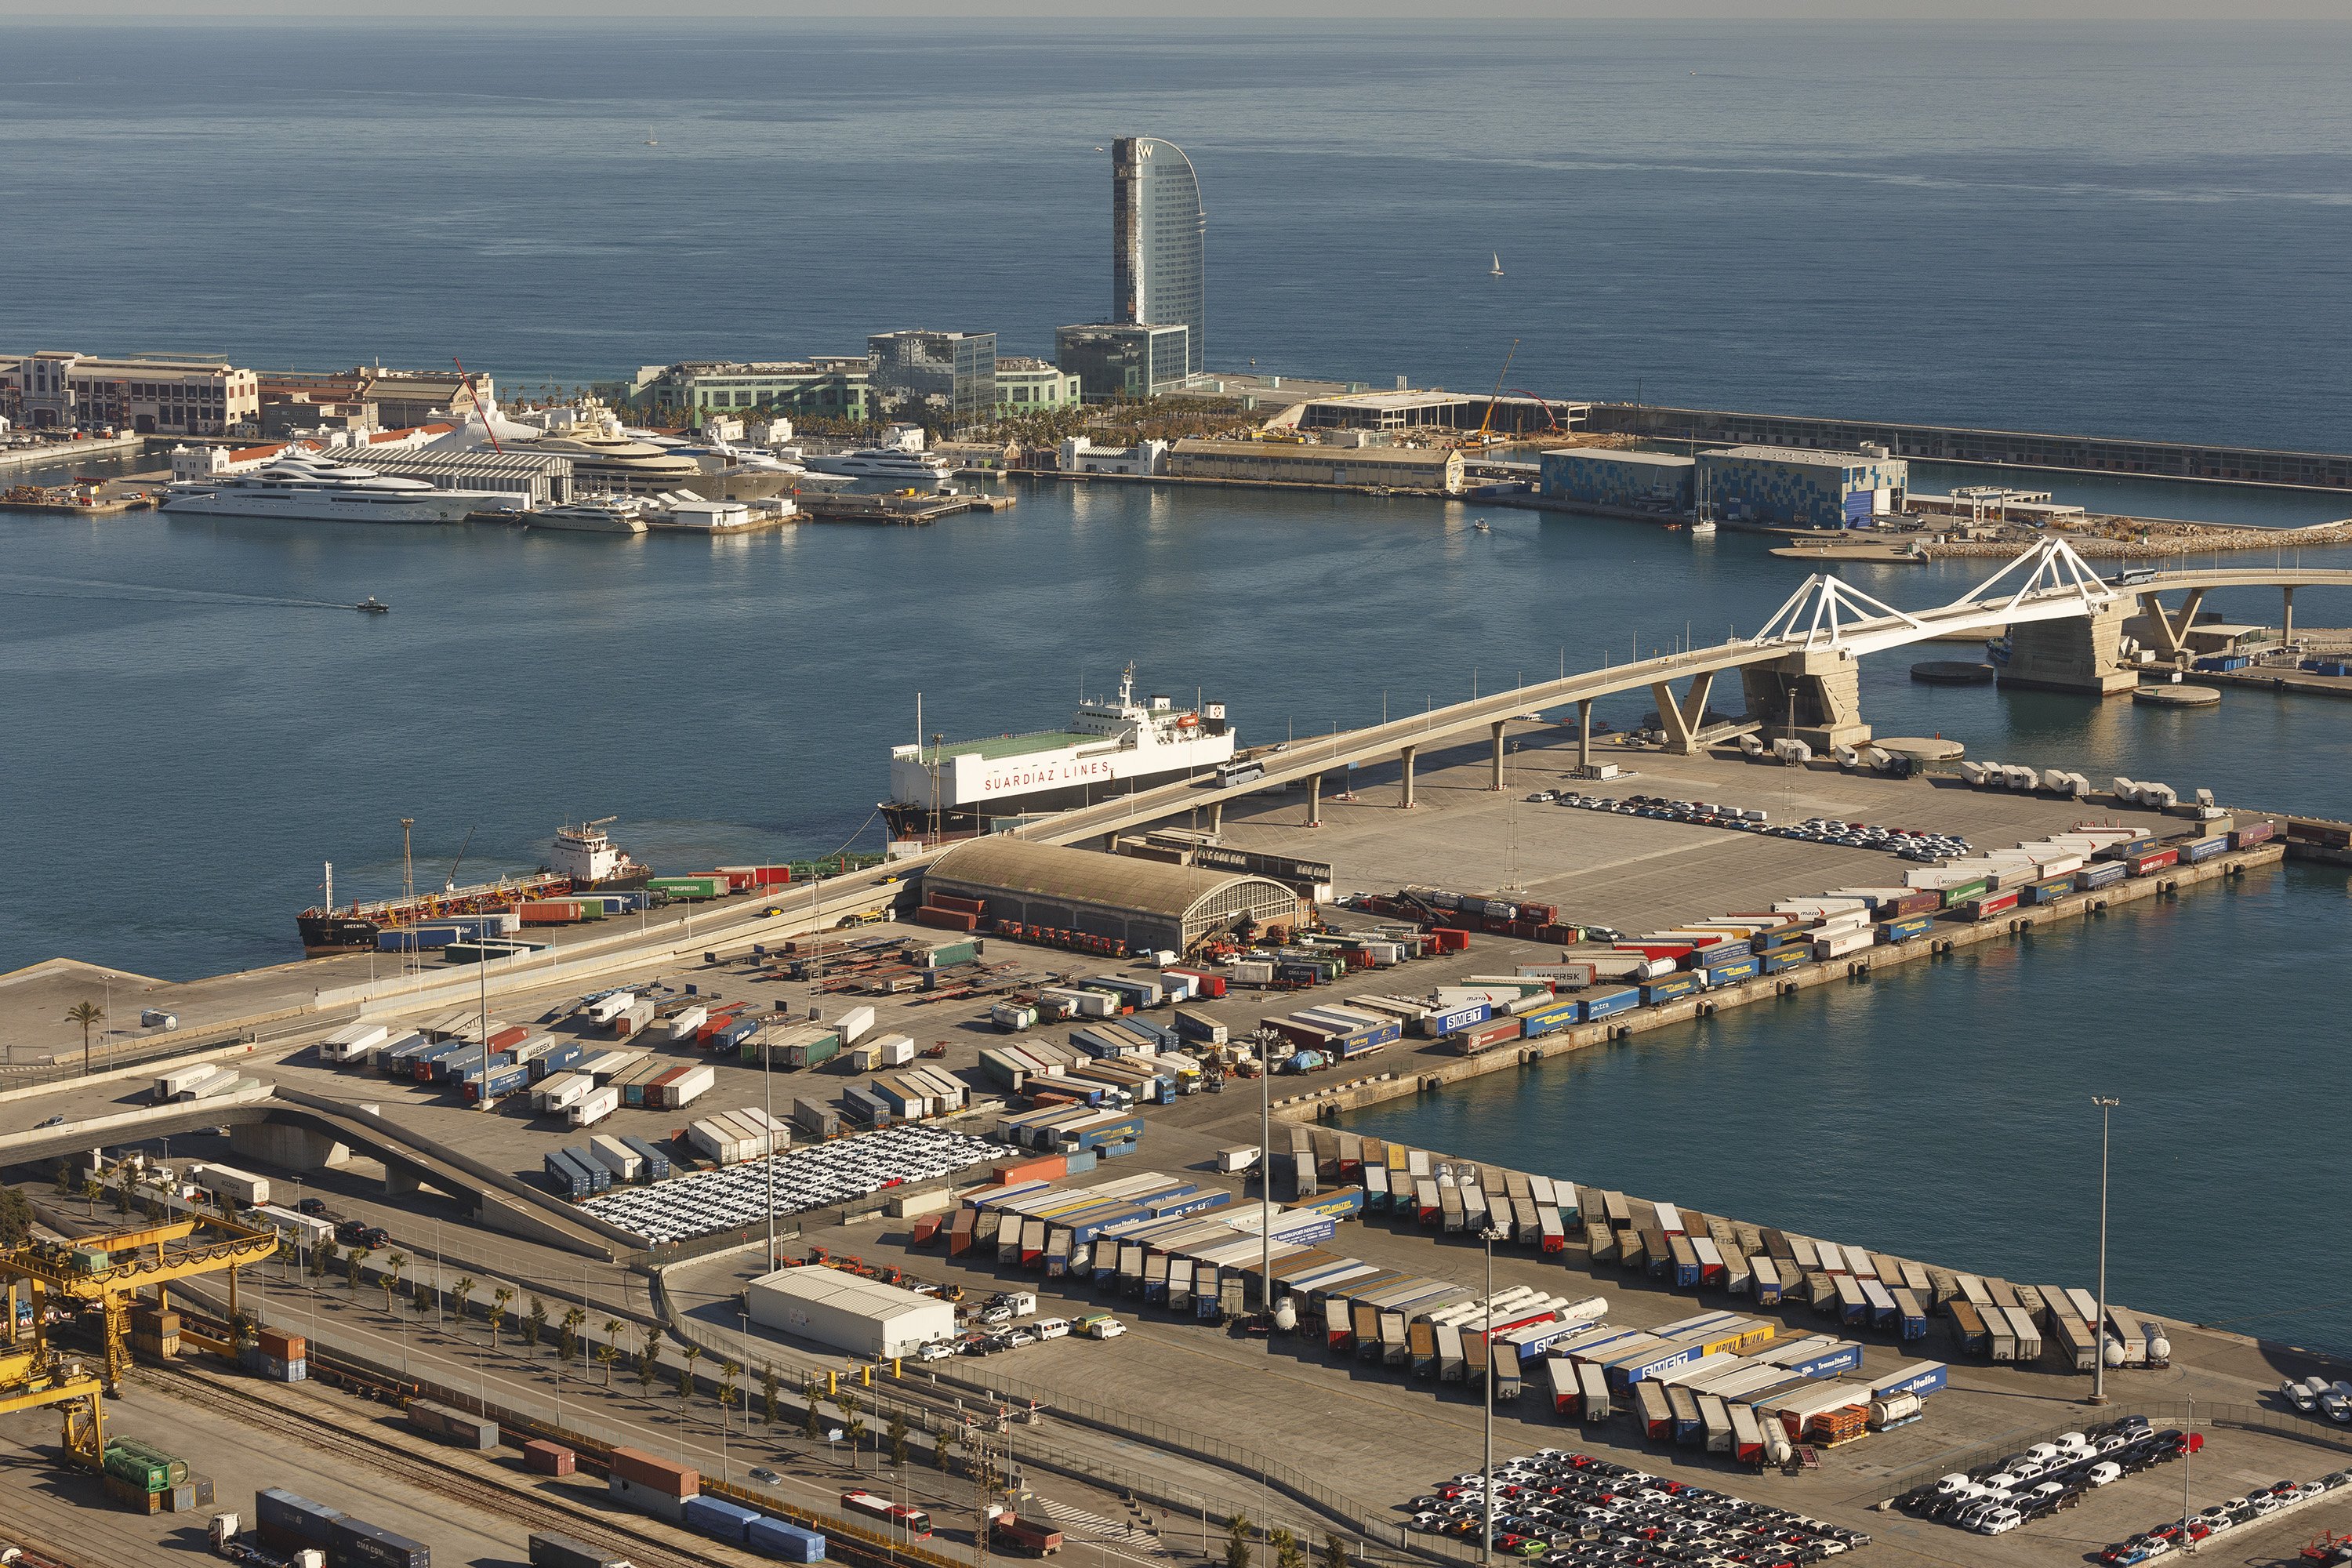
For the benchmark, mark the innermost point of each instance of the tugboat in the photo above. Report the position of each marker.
(371, 606)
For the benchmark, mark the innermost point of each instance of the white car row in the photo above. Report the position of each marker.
(702, 1203)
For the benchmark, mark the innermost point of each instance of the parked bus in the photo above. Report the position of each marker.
(913, 1521)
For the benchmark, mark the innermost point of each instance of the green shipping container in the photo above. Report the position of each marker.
(687, 886)
(809, 1053)
(1975, 889)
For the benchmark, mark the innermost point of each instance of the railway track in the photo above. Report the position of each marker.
(389, 1459)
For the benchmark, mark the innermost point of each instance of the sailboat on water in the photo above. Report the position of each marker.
(1495, 270)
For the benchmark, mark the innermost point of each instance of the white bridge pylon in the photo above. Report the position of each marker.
(2049, 581)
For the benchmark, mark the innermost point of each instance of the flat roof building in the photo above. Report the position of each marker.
(1159, 269)
(832, 387)
(848, 1312)
(150, 395)
(1399, 410)
(919, 373)
(1604, 477)
(1144, 905)
(1799, 487)
(1115, 360)
(1296, 463)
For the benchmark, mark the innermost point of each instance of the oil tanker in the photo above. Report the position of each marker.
(583, 859)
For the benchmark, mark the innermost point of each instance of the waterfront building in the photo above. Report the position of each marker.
(829, 386)
(933, 372)
(1079, 455)
(1297, 463)
(151, 395)
(1398, 410)
(1792, 486)
(1636, 481)
(1157, 271)
(1024, 385)
(1113, 360)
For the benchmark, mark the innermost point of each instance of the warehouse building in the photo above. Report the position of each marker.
(1795, 487)
(1294, 463)
(846, 1313)
(1635, 481)
(1400, 410)
(1144, 905)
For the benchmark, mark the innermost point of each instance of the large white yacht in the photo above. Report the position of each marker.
(317, 489)
(882, 463)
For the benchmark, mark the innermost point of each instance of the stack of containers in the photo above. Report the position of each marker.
(285, 1358)
(734, 1136)
(141, 1478)
(652, 1486)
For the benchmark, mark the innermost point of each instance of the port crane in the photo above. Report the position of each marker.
(106, 1270)
(1479, 441)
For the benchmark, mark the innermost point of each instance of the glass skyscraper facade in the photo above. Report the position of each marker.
(1158, 275)
(939, 373)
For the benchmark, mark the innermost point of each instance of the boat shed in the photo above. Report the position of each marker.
(1143, 904)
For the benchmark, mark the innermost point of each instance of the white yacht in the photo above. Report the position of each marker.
(317, 489)
(618, 515)
(882, 463)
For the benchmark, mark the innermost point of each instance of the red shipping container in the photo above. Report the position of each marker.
(284, 1346)
(771, 876)
(1210, 982)
(947, 919)
(1053, 1167)
(1447, 939)
(926, 1229)
(2154, 860)
(547, 1458)
(659, 1475)
(508, 1040)
(953, 901)
(548, 913)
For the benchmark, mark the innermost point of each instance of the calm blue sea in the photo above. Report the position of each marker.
(2134, 232)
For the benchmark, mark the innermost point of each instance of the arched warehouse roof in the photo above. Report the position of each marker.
(1145, 903)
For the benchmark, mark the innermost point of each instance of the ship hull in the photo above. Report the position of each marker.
(913, 820)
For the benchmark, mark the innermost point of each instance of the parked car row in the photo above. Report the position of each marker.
(2045, 1477)
(1909, 842)
(2263, 1502)
(839, 1172)
(1568, 1508)
(993, 1329)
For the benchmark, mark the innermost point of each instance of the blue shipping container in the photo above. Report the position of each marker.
(2203, 849)
(1922, 1378)
(788, 1542)
(1730, 971)
(1906, 928)
(656, 1163)
(1439, 1024)
(1838, 1358)
(717, 1517)
(1608, 1004)
(1781, 958)
(2104, 874)
(2048, 891)
(1668, 988)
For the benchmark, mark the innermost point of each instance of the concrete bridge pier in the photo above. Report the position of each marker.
(1682, 719)
(2082, 654)
(2286, 627)
(1217, 817)
(1814, 696)
(1314, 800)
(287, 1146)
(1404, 759)
(1584, 736)
(1494, 781)
(2166, 632)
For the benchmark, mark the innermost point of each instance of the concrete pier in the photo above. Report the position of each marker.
(2081, 655)
(1814, 696)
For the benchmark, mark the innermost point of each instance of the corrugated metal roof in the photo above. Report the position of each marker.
(1811, 456)
(1117, 881)
(1617, 455)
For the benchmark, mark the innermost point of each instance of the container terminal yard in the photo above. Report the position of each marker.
(908, 1112)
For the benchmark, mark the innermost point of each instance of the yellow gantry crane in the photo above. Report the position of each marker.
(107, 1271)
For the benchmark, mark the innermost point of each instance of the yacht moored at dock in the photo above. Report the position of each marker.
(316, 489)
(882, 463)
(1113, 746)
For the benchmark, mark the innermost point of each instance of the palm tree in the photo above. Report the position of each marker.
(896, 1435)
(498, 1299)
(92, 1189)
(944, 1438)
(611, 1348)
(392, 1265)
(534, 1324)
(85, 1013)
(768, 1384)
(693, 1353)
(463, 1290)
(574, 1317)
(728, 1374)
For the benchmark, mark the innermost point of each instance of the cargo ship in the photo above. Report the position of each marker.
(328, 931)
(1112, 746)
(584, 860)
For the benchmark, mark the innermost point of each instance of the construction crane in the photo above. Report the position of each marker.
(465, 377)
(1551, 420)
(451, 885)
(106, 1270)
(1480, 438)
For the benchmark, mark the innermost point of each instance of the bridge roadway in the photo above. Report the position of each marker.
(1824, 620)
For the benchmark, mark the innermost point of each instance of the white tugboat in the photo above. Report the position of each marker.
(1118, 746)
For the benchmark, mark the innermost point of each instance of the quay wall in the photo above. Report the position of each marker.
(1992, 449)
(1428, 1074)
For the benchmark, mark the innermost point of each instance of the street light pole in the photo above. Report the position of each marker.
(767, 1086)
(1486, 1491)
(1263, 1039)
(2099, 1329)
